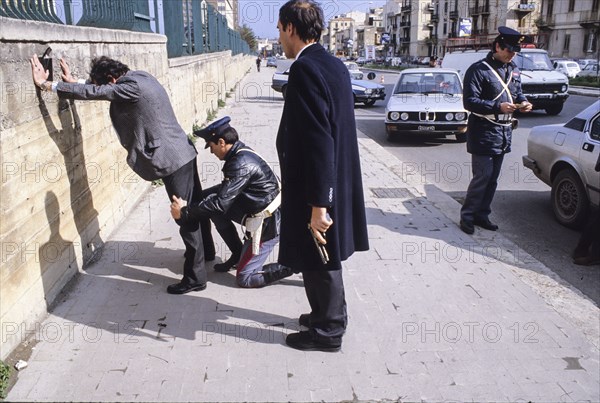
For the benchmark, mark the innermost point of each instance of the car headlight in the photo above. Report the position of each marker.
(564, 88)
(404, 116)
(394, 115)
(449, 116)
(368, 91)
(460, 116)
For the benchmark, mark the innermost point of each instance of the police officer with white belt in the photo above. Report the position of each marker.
(492, 93)
(248, 195)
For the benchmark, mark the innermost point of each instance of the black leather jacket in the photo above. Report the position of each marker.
(249, 186)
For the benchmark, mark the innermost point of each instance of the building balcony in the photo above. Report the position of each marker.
(590, 19)
(523, 8)
(453, 15)
(430, 7)
(435, 18)
(545, 23)
(405, 9)
(405, 24)
(432, 39)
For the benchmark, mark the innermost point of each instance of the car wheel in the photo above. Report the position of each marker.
(370, 102)
(461, 137)
(554, 109)
(569, 200)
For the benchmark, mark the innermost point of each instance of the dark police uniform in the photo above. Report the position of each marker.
(487, 84)
(249, 188)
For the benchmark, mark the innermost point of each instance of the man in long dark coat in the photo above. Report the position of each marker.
(322, 190)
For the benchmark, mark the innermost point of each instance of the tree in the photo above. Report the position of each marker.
(248, 35)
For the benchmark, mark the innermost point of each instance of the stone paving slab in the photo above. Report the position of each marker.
(434, 314)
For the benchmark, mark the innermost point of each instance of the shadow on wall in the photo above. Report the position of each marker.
(69, 142)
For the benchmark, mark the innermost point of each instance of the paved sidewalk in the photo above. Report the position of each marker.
(434, 314)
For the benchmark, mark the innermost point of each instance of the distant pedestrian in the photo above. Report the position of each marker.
(258, 61)
(492, 93)
(322, 193)
(433, 61)
(157, 147)
(248, 195)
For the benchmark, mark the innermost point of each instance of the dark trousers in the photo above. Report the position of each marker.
(325, 293)
(197, 238)
(224, 224)
(486, 170)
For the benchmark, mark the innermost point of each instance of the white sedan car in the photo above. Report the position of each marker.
(427, 101)
(564, 156)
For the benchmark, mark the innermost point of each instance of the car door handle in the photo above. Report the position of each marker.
(588, 147)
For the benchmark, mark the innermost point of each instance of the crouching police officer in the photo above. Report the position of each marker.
(248, 195)
(492, 92)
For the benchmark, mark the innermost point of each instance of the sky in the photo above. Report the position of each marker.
(262, 15)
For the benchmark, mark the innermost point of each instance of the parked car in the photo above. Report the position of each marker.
(567, 67)
(364, 91)
(564, 156)
(584, 62)
(272, 62)
(590, 70)
(427, 101)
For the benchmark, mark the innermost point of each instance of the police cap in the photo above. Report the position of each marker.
(510, 39)
(214, 130)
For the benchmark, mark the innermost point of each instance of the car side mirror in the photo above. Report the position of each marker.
(371, 76)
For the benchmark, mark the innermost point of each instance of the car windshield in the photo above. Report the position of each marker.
(428, 83)
(533, 61)
(352, 66)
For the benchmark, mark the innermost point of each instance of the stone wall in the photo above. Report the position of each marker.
(65, 184)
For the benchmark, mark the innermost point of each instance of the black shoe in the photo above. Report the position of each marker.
(587, 260)
(182, 288)
(467, 227)
(486, 224)
(304, 320)
(275, 271)
(226, 265)
(303, 341)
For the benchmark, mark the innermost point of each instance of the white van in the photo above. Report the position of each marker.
(544, 87)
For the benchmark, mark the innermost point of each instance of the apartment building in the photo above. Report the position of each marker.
(419, 28)
(571, 27)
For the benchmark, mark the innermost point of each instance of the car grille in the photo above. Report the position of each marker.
(426, 116)
(541, 88)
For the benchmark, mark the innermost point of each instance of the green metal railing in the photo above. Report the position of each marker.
(191, 26)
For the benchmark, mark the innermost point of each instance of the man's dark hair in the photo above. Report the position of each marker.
(500, 42)
(306, 16)
(102, 67)
(229, 135)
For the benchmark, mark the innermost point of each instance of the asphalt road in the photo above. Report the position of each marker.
(521, 206)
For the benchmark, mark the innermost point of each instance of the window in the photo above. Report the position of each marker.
(550, 9)
(589, 43)
(571, 5)
(595, 129)
(566, 43)
(575, 124)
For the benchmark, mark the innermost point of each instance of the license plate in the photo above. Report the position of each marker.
(427, 128)
(544, 96)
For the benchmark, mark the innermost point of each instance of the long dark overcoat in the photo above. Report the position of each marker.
(320, 165)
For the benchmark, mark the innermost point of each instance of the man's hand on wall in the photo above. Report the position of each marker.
(66, 72)
(39, 75)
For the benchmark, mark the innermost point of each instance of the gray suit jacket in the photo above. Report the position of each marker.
(143, 117)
